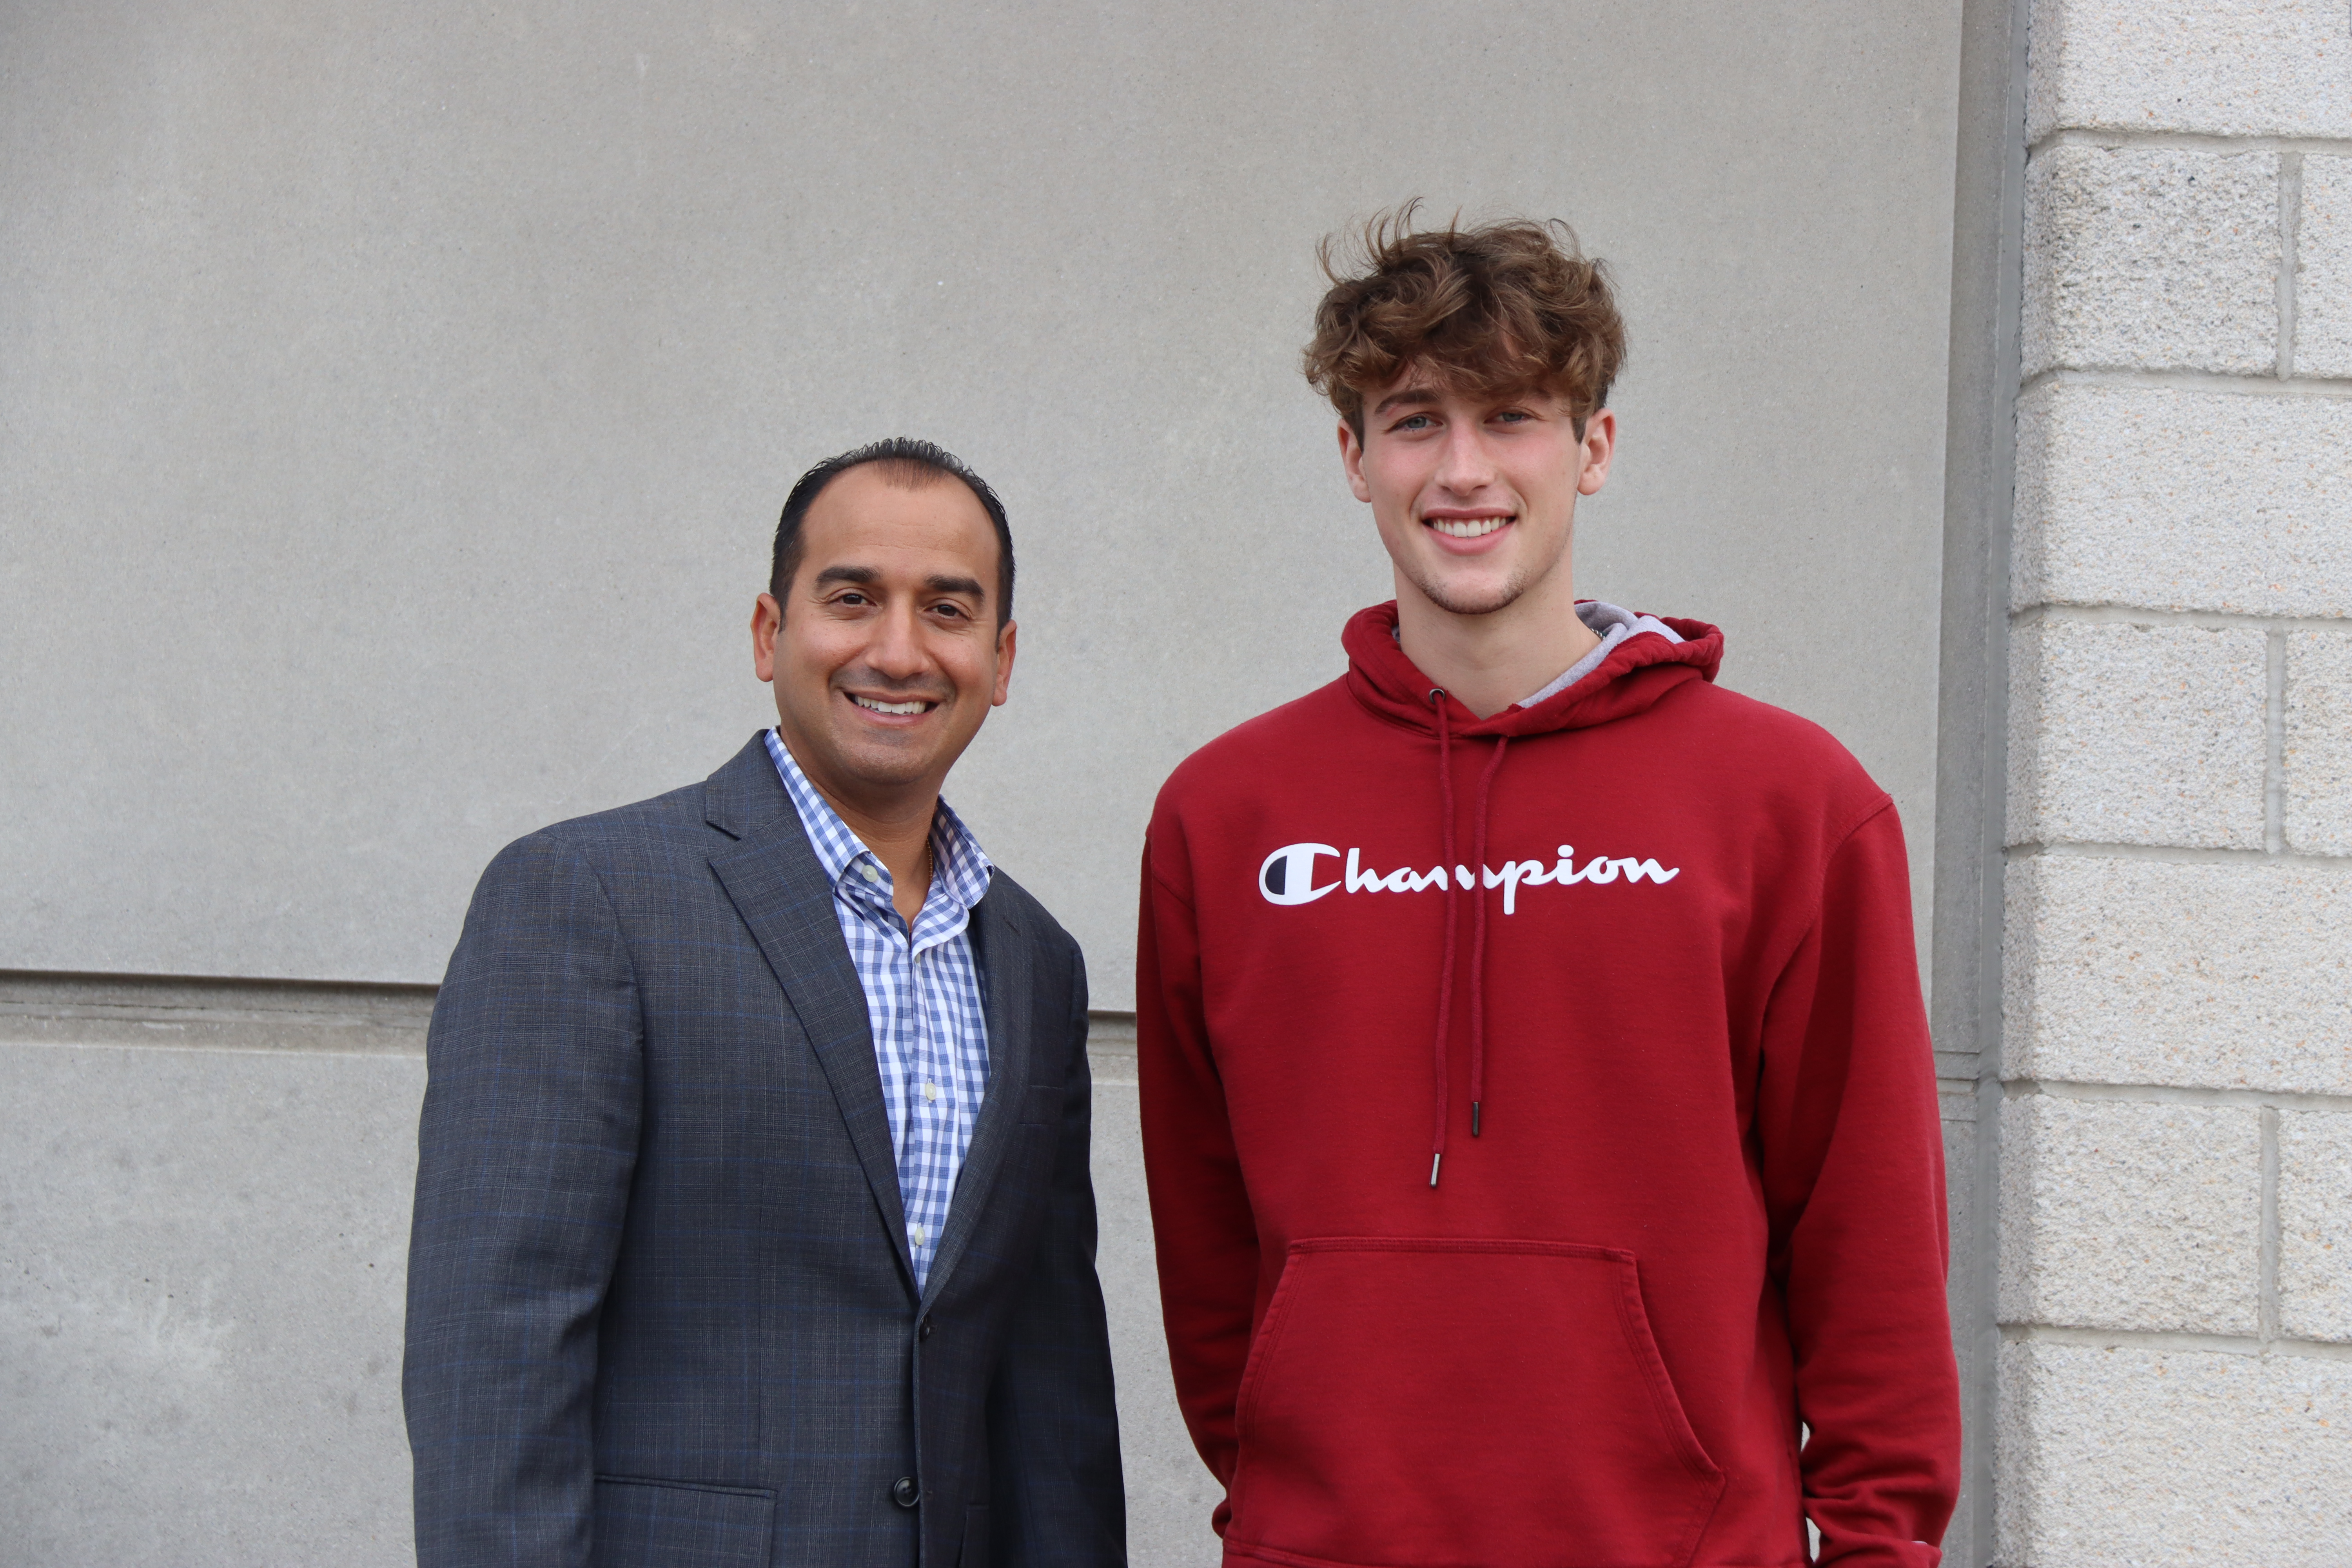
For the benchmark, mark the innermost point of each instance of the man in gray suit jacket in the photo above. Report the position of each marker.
(753, 1220)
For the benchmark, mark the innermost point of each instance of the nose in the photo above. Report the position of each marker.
(1465, 466)
(897, 650)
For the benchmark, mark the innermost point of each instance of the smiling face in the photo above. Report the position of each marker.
(1474, 495)
(887, 655)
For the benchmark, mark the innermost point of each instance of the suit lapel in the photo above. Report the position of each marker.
(778, 888)
(1003, 951)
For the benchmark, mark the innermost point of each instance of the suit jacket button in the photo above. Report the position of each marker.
(925, 1331)
(905, 1492)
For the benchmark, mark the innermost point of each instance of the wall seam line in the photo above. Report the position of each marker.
(2162, 1342)
(2225, 144)
(2149, 615)
(2164, 378)
(2271, 1100)
(2177, 855)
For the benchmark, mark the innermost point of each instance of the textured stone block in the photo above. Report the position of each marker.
(2184, 500)
(2318, 749)
(2323, 270)
(2223, 977)
(2315, 1204)
(2130, 734)
(2134, 1458)
(2151, 258)
(2227, 67)
(2131, 1216)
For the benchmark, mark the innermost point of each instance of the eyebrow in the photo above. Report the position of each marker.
(938, 583)
(1411, 398)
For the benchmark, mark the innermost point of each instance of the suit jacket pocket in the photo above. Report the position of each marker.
(644, 1524)
(975, 1552)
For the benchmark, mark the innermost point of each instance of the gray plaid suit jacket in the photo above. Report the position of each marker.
(660, 1307)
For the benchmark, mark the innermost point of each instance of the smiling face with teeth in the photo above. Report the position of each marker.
(1474, 494)
(888, 655)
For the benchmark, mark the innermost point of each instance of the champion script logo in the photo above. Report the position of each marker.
(1287, 876)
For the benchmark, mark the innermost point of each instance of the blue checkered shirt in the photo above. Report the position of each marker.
(922, 997)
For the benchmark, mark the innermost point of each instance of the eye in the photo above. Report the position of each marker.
(1416, 422)
(852, 596)
(1512, 415)
(950, 608)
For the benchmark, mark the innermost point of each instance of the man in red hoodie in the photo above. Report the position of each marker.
(1538, 1102)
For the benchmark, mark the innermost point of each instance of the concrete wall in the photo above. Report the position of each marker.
(204, 1191)
(395, 400)
(2175, 1273)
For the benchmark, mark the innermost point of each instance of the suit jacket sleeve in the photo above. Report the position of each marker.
(1853, 1184)
(524, 1155)
(1057, 1494)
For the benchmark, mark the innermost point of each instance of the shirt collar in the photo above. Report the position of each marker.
(959, 868)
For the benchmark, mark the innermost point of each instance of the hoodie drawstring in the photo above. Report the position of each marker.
(1478, 937)
(1478, 926)
(1446, 971)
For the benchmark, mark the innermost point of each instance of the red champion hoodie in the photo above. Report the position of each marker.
(1524, 1222)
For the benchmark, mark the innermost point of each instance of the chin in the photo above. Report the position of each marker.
(1461, 598)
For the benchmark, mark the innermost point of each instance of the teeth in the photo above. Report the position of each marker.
(897, 708)
(1467, 528)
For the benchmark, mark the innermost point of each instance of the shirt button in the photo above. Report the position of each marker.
(905, 1492)
(914, 1235)
(930, 1092)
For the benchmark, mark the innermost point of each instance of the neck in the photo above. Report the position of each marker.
(1488, 662)
(895, 824)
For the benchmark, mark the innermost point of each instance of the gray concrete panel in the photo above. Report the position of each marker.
(394, 399)
(202, 1257)
(203, 1250)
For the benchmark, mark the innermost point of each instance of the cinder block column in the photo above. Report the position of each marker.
(2174, 1143)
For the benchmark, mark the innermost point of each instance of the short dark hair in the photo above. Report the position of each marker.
(904, 461)
(1504, 307)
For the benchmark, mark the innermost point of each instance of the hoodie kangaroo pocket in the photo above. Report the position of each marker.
(1415, 1403)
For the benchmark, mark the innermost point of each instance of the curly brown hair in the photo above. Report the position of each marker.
(1499, 308)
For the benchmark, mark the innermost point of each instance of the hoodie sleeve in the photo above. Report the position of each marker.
(1853, 1179)
(1205, 1232)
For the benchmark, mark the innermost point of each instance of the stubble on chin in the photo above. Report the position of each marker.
(1454, 601)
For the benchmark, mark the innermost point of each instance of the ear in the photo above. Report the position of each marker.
(1352, 458)
(1004, 651)
(767, 618)
(1599, 446)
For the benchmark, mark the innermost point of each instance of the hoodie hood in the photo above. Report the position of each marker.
(1636, 673)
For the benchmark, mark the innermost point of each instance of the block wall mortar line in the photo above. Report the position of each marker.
(2267, 1309)
(2046, 612)
(2266, 1100)
(2179, 855)
(2172, 1344)
(2120, 140)
(2131, 377)
(2290, 184)
(2275, 744)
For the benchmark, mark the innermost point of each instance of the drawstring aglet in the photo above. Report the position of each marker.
(1434, 1160)
(1473, 1119)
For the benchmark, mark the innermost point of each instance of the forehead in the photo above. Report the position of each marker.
(869, 519)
